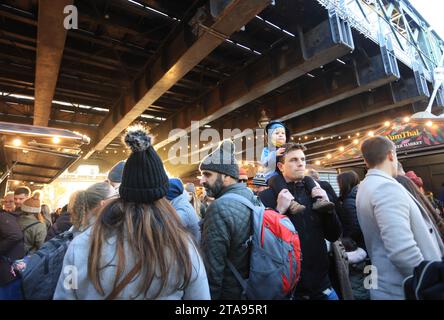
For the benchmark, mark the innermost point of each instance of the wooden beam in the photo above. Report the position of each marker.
(276, 68)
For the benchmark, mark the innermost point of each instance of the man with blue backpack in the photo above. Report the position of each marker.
(250, 252)
(313, 227)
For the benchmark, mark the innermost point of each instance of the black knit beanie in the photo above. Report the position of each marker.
(144, 179)
(222, 160)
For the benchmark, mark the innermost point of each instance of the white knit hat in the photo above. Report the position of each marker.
(32, 204)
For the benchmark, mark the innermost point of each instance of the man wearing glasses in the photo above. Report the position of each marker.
(8, 202)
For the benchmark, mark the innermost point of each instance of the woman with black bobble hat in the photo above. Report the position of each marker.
(137, 248)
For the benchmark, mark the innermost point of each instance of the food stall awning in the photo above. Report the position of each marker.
(412, 137)
(37, 154)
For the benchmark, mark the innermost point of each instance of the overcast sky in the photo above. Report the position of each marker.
(433, 12)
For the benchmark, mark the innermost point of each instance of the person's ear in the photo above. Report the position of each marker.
(280, 165)
(391, 156)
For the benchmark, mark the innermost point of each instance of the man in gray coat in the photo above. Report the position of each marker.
(398, 237)
(226, 225)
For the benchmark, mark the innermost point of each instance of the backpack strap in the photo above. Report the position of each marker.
(124, 282)
(6, 259)
(238, 276)
(241, 199)
(30, 225)
(252, 207)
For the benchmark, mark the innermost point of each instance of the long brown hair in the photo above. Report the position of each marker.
(347, 181)
(154, 235)
(425, 203)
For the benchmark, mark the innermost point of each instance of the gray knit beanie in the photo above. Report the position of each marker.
(116, 172)
(222, 160)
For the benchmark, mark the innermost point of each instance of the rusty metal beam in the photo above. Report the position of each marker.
(178, 57)
(86, 129)
(347, 126)
(314, 93)
(337, 87)
(380, 100)
(274, 69)
(51, 36)
(372, 122)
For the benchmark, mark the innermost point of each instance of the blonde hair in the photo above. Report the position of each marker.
(195, 202)
(46, 210)
(46, 213)
(9, 193)
(82, 202)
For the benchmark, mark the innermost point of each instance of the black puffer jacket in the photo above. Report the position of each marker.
(349, 219)
(11, 245)
(226, 227)
(62, 224)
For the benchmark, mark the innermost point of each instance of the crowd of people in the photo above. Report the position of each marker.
(143, 235)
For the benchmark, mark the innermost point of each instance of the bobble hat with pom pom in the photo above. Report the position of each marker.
(32, 204)
(144, 179)
(222, 160)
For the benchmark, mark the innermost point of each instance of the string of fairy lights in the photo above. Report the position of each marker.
(349, 139)
(356, 138)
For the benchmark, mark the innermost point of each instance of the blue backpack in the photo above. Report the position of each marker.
(275, 255)
(43, 268)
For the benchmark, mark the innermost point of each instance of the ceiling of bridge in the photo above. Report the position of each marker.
(117, 41)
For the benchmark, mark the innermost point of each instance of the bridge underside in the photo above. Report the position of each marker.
(329, 72)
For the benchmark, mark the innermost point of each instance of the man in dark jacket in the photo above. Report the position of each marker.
(11, 248)
(227, 223)
(313, 227)
(62, 224)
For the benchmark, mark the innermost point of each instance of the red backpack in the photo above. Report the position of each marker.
(275, 256)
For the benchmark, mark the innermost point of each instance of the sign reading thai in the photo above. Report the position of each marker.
(415, 134)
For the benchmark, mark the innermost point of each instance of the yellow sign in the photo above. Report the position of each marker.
(404, 135)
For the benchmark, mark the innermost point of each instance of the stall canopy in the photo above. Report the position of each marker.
(37, 154)
(412, 137)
